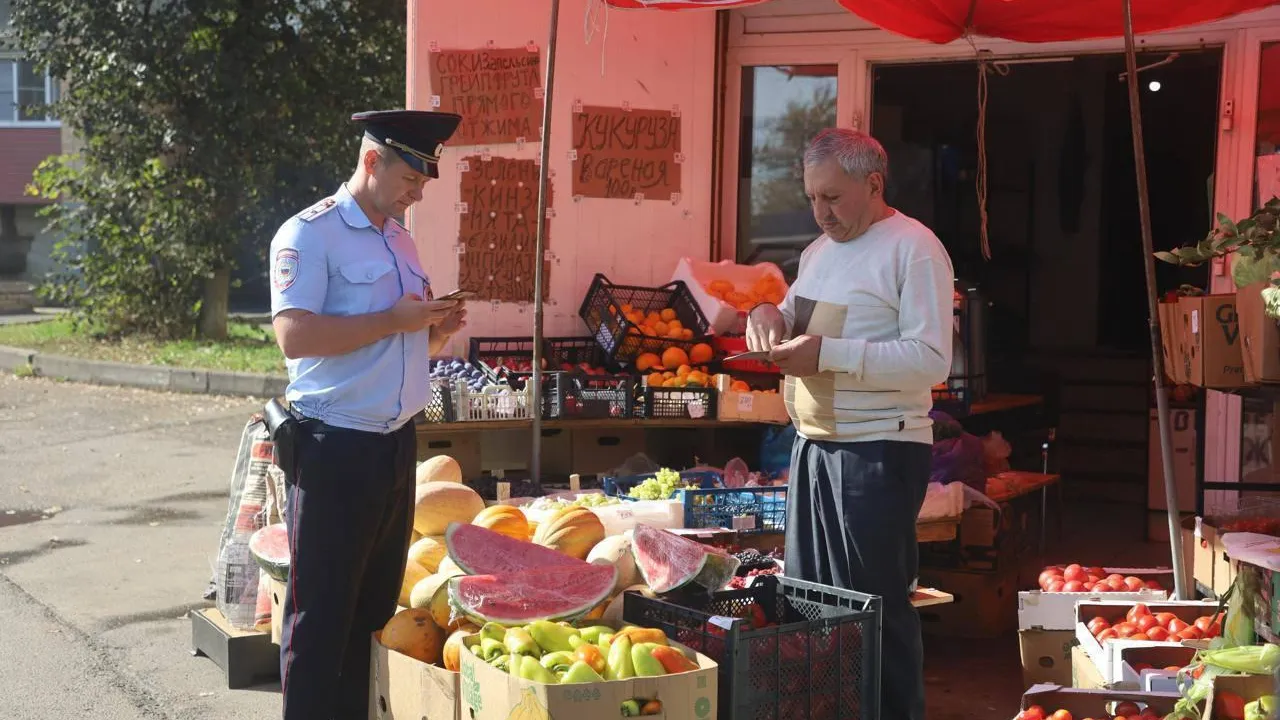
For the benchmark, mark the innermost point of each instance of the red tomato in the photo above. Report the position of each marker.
(1139, 636)
(1097, 625)
(1094, 578)
(1190, 634)
(1117, 583)
(1056, 569)
(1088, 587)
(1108, 634)
(1101, 587)
(1056, 585)
(1145, 623)
(1154, 585)
(1075, 572)
(1115, 577)
(1035, 712)
(1126, 708)
(1165, 618)
(1134, 583)
(1073, 586)
(1203, 623)
(1060, 714)
(1125, 629)
(1136, 612)
(1158, 633)
(1228, 705)
(1214, 631)
(1172, 669)
(1047, 576)
(1176, 626)
(1097, 572)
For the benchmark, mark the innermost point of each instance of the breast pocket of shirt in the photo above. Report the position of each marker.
(416, 281)
(362, 287)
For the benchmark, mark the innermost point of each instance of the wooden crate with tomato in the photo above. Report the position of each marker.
(741, 402)
(1104, 628)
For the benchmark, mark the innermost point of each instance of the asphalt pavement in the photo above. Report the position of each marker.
(118, 497)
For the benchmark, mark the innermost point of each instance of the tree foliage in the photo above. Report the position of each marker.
(203, 125)
(777, 161)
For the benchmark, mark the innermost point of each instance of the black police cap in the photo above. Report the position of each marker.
(417, 136)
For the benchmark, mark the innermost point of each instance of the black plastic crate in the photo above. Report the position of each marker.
(580, 395)
(620, 338)
(558, 353)
(820, 662)
(689, 403)
(440, 409)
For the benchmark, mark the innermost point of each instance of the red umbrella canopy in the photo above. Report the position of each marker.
(942, 21)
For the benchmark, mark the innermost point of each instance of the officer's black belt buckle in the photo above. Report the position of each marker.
(282, 428)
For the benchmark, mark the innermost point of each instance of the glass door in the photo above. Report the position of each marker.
(776, 101)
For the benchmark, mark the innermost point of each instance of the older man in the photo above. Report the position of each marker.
(862, 336)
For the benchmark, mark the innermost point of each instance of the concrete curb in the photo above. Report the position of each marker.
(150, 377)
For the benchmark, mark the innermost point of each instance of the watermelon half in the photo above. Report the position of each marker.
(481, 551)
(269, 546)
(669, 562)
(516, 598)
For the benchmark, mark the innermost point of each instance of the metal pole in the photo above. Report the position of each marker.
(1157, 357)
(540, 248)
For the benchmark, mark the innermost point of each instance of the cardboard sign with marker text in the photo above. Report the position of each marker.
(1211, 334)
(494, 90)
(498, 232)
(624, 153)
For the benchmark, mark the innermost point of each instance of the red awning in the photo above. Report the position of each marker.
(942, 21)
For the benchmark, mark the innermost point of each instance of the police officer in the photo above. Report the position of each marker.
(353, 313)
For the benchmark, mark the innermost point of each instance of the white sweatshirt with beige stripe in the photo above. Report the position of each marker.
(882, 303)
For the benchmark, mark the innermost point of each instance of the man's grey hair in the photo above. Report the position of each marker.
(858, 153)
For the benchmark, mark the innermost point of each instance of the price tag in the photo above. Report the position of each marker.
(575, 482)
(464, 166)
(1195, 322)
(460, 208)
(539, 93)
(625, 514)
(551, 212)
(486, 156)
(460, 249)
(504, 491)
(696, 410)
(572, 155)
(746, 402)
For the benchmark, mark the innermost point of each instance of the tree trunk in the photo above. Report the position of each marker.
(213, 308)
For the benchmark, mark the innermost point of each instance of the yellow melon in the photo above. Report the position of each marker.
(572, 531)
(428, 552)
(439, 503)
(412, 632)
(449, 567)
(413, 574)
(451, 656)
(432, 594)
(504, 520)
(440, 468)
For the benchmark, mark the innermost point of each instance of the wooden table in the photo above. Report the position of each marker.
(995, 402)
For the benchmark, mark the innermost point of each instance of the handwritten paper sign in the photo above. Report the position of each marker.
(625, 153)
(498, 231)
(493, 91)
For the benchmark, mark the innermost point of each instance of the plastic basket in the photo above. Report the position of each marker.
(747, 510)
(579, 395)
(566, 394)
(490, 406)
(620, 339)
(621, 485)
(678, 403)
(821, 661)
(440, 409)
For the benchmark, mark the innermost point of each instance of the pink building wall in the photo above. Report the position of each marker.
(629, 243)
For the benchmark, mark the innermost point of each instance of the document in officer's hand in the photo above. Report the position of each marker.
(460, 296)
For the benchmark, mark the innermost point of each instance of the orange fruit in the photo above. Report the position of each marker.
(667, 375)
(655, 379)
(675, 324)
(739, 386)
(697, 377)
(661, 328)
(701, 353)
(652, 318)
(667, 314)
(648, 331)
(686, 334)
(675, 333)
(721, 285)
(626, 307)
(683, 370)
(646, 361)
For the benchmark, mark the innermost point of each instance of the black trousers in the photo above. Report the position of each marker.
(350, 516)
(851, 523)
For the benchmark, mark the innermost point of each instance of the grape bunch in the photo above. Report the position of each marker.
(751, 560)
(659, 487)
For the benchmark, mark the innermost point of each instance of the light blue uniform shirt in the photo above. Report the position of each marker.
(330, 260)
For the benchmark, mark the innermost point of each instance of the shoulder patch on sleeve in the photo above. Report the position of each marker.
(284, 268)
(318, 209)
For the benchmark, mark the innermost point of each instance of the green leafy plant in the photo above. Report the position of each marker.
(200, 126)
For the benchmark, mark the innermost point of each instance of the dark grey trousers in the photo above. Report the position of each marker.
(851, 523)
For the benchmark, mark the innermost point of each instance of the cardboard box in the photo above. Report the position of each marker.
(1084, 672)
(402, 688)
(276, 588)
(753, 407)
(1107, 656)
(1212, 565)
(1259, 336)
(1182, 434)
(1159, 658)
(1249, 687)
(490, 694)
(1210, 331)
(461, 446)
(1046, 656)
(1085, 703)
(1039, 610)
(1170, 343)
(598, 452)
(986, 603)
